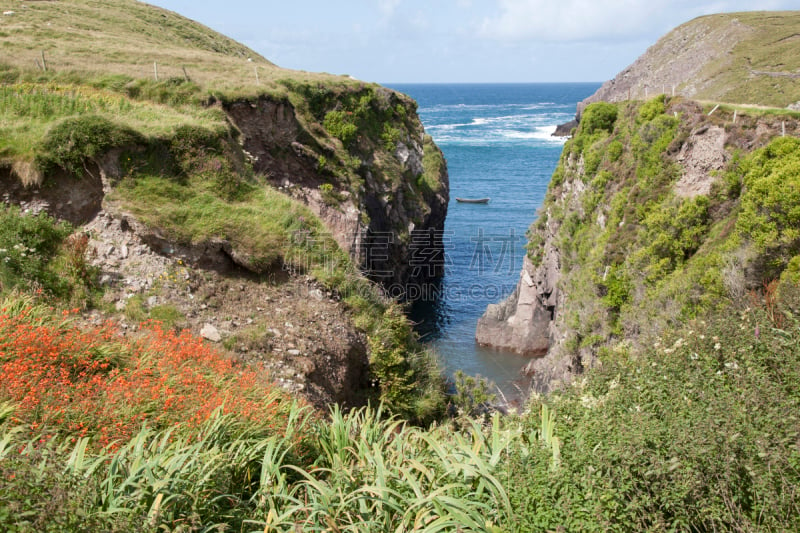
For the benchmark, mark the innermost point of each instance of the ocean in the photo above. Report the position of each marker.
(498, 144)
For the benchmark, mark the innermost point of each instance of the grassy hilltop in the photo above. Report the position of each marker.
(739, 58)
(124, 37)
(687, 419)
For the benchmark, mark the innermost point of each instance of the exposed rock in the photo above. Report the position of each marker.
(371, 224)
(76, 199)
(210, 333)
(565, 130)
(410, 158)
(521, 322)
(702, 154)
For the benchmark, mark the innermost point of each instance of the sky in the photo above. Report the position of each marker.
(455, 41)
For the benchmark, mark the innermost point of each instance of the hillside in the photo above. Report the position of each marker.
(218, 192)
(738, 58)
(122, 37)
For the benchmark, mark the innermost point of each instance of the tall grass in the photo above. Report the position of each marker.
(371, 474)
(29, 110)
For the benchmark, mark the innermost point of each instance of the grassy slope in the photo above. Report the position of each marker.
(126, 37)
(769, 47)
(736, 58)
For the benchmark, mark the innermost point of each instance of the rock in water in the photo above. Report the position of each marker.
(565, 130)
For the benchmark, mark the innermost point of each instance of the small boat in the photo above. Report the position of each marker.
(473, 200)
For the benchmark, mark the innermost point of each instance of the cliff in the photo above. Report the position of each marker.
(739, 58)
(648, 219)
(658, 213)
(251, 203)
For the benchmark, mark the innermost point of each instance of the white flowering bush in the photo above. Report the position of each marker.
(28, 244)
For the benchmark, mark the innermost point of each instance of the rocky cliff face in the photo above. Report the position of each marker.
(376, 203)
(640, 230)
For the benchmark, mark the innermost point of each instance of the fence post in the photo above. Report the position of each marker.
(44, 62)
(155, 70)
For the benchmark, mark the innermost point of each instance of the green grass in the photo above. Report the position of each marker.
(768, 45)
(434, 163)
(30, 115)
(368, 473)
(263, 226)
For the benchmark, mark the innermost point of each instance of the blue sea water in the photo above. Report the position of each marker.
(498, 144)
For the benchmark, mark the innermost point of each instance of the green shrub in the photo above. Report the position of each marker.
(650, 110)
(693, 435)
(390, 136)
(614, 151)
(75, 141)
(340, 125)
(599, 116)
(472, 393)
(28, 245)
(618, 288)
(675, 231)
(770, 215)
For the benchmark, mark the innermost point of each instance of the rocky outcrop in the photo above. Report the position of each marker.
(380, 222)
(565, 130)
(521, 322)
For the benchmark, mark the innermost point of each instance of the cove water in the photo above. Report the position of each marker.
(498, 144)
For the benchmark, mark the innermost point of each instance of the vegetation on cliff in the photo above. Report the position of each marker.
(641, 250)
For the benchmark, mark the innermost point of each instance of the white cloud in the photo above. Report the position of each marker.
(583, 20)
(388, 7)
(570, 20)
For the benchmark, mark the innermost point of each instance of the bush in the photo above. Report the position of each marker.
(614, 151)
(697, 434)
(599, 116)
(74, 141)
(28, 245)
(652, 109)
(340, 125)
(770, 215)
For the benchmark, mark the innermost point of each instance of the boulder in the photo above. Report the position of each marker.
(210, 333)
